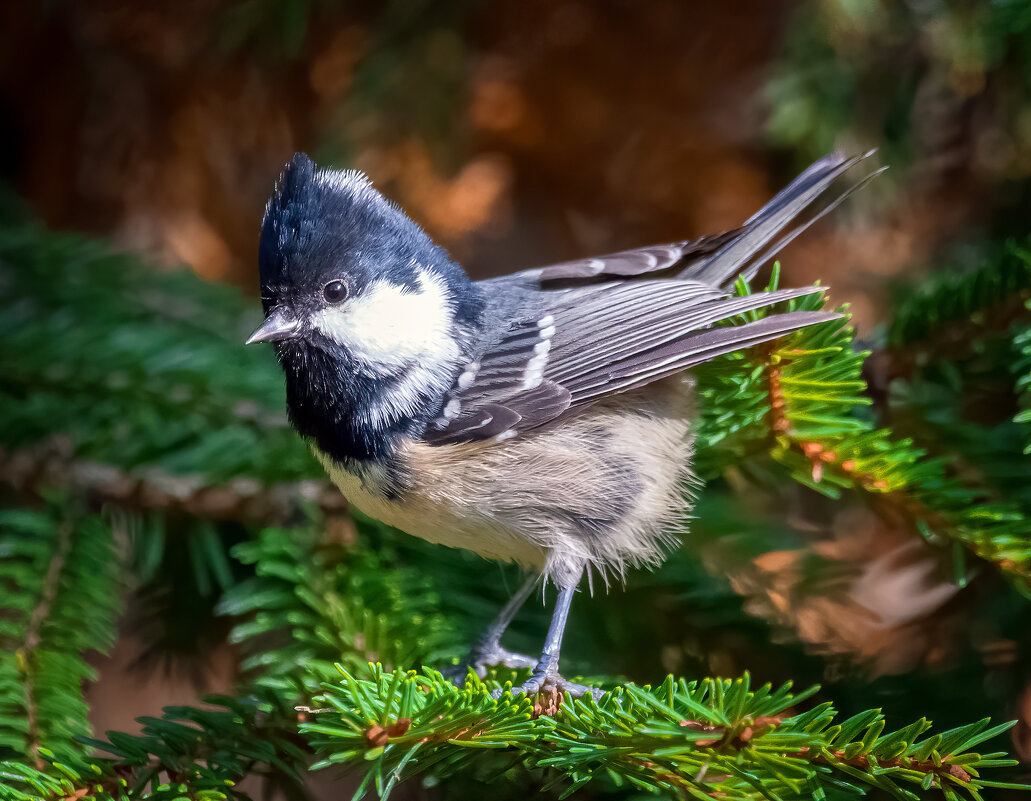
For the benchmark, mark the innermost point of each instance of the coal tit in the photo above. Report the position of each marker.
(543, 417)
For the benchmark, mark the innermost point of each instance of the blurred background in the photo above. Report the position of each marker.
(521, 132)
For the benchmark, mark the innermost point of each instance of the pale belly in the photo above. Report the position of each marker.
(605, 490)
(438, 521)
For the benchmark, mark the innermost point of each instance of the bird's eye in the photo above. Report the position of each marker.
(335, 291)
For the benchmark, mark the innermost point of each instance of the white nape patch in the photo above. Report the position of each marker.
(392, 329)
(595, 266)
(509, 434)
(534, 373)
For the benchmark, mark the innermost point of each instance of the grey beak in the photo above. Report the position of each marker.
(277, 327)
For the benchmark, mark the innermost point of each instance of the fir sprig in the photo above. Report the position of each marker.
(188, 752)
(141, 370)
(311, 604)
(59, 593)
(804, 399)
(705, 739)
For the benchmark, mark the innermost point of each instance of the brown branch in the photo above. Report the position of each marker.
(863, 762)
(821, 456)
(52, 464)
(779, 422)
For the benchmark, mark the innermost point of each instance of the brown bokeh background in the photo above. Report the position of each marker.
(515, 132)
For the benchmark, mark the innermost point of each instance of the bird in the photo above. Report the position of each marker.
(545, 417)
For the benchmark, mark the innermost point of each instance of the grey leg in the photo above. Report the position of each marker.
(545, 675)
(491, 639)
(487, 650)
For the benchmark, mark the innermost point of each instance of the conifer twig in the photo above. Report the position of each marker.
(40, 613)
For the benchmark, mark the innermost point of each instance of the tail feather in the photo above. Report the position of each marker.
(747, 252)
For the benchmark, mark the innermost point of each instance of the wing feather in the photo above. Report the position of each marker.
(635, 340)
(720, 258)
(563, 358)
(633, 262)
(599, 328)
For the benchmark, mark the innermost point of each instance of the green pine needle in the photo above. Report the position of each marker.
(710, 737)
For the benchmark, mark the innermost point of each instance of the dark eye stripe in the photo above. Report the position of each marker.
(335, 291)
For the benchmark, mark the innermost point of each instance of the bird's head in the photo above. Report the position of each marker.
(345, 270)
(368, 316)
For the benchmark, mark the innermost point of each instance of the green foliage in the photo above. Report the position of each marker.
(1022, 371)
(312, 604)
(58, 599)
(956, 316)
(186, 753)
(20, 782)
(202, 753)
(894, 73)
(145, 373)
(394, 719)
(803, 403)
(934, 320)
(697, 738)
(140, 370)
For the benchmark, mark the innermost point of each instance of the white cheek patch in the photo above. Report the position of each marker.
(390, 327)
(393, 330)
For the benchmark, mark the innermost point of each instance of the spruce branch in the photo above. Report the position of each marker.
(704, 739)
(801, 399)
(950, 314)
(59, 593)
(1022, 372)
(188, 752)
(141, 371)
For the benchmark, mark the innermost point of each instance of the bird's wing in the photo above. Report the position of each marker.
(654, 260)
(605, 330)
(597, 341)
(717, 260)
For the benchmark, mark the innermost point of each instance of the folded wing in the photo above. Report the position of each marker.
(599, 341)
(719, 259)
(610, 324)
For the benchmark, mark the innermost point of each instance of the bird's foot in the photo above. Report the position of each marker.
(487, 657)
(549, 682)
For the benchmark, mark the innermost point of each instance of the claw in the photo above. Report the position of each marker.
(551, 683)
(481, 660)
(502, 658)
